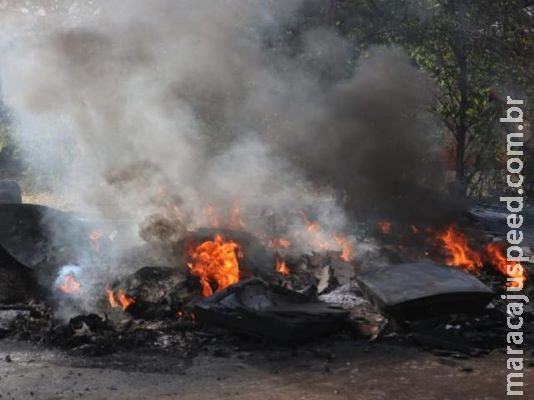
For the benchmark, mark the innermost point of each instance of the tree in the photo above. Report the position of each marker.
(476, 51)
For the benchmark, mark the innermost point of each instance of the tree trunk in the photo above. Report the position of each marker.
(461, 184)
(461, 132)
(462, 125)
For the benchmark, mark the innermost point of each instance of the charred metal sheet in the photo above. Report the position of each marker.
(258, 308)
(29, 232)
(424, 289)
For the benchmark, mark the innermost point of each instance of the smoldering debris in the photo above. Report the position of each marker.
(167, 308)
(215, 101)
(175, 116)
(257, 308)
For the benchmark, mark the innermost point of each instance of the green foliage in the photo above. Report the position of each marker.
(477, 51)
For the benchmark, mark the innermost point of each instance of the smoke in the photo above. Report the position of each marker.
(136, 104)
(372, 137)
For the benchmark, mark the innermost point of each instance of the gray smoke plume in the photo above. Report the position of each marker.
(371, 136)
(196, 103)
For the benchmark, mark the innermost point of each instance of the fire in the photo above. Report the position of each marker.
(495, 254)
(325, 241)
(94, 237)
(343, 243)
(460, 254)
(70, 285)
(120, 299)
(111, 298)
(236, 221)
(321, 244)
(162, 192)
(231, 218)
(312, 227)
(215, 262)
(211, 215)
(281, 267)
(385, 227)
(279, 243)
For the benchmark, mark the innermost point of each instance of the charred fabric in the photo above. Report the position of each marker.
(436, 287)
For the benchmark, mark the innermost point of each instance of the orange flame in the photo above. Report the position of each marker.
(280, 243)
(94, 237)
(215, 262)
(111, 298)
(281, 267)
(211, 216)
(327, 241)
(385, 227)
(346, 248)
(236, 221)
(162, 192)
(460, 254)
(495, 254)
(121, 299)
(321, 244)
(312, 227)
(70, 285)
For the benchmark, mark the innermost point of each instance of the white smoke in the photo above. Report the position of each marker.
(124, 98)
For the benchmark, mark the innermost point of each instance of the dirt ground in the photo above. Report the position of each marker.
(338, 369)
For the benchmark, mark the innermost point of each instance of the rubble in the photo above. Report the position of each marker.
(364, 320)
(157, 302)
(158, 292)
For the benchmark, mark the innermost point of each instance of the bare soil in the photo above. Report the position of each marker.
(333, 368)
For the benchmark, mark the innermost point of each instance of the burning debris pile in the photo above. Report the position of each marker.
(388, 278)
